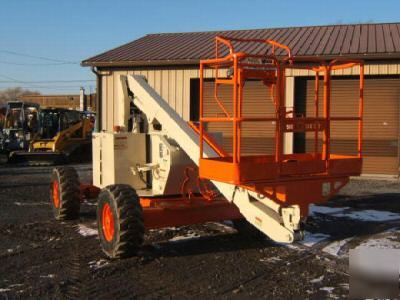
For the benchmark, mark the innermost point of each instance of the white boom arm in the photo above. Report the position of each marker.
(280, 224)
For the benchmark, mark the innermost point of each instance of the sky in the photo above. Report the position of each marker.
(42, 42)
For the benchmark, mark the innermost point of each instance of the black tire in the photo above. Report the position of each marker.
(247, 230)
(128, 229)
(65, 180)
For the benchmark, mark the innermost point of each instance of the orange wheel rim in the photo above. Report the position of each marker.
(108, 222)
(56, 194)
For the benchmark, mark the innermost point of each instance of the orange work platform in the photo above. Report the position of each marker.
(234, 68)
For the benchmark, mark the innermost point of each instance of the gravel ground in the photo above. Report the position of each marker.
(43, 258)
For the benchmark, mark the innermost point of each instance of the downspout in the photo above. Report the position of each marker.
(98, 123)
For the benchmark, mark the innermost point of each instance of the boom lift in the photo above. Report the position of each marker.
(164, 171)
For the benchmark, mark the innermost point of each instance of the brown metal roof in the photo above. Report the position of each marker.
(367, 41)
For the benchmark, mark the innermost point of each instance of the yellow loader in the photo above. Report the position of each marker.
(63, 136)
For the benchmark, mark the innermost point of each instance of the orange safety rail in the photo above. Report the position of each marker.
(270, 68)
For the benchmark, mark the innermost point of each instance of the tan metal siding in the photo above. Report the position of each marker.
(381, 121)
(257, 137)
(172, 84)
(179, 91)
(105, 105)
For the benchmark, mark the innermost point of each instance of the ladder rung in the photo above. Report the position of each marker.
(224, 81)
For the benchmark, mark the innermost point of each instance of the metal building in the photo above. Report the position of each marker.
(170, 62)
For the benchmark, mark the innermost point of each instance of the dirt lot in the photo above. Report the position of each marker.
(41, 258)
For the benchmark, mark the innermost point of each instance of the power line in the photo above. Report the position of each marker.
(37, 84)
(32, 64)
(76, 87)
(33, 83)
(51, 81)
(18, 81)
(56, 89)
(12, 79)
(46, 85)
(39, 57)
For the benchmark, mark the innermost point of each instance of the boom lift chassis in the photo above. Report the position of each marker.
(166, 188)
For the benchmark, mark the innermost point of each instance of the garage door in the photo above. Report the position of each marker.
(381, 115)
(257, 137)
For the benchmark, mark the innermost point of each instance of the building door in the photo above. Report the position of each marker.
(381, 120)
(258, 138)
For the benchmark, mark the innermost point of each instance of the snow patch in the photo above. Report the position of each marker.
(15, 285)
(310, 239)
(30, 203)
(335, 247)
(95, 265)
(48, 276)
(13, 250)
(163, 230)
(387, 240)
(345, 286)
(89, 203)
(383, 243)
(10, 287)
(228, 223)
(223, 227)
(371, 215)
(271, 259)
(360, 215)
(327, 289)
(188, 236)
(325, 210)
(289, 245)
(86, 231)
(316, 280)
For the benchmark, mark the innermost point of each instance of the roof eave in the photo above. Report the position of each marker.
(359, 56)
(180, 62)
(140, 63)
